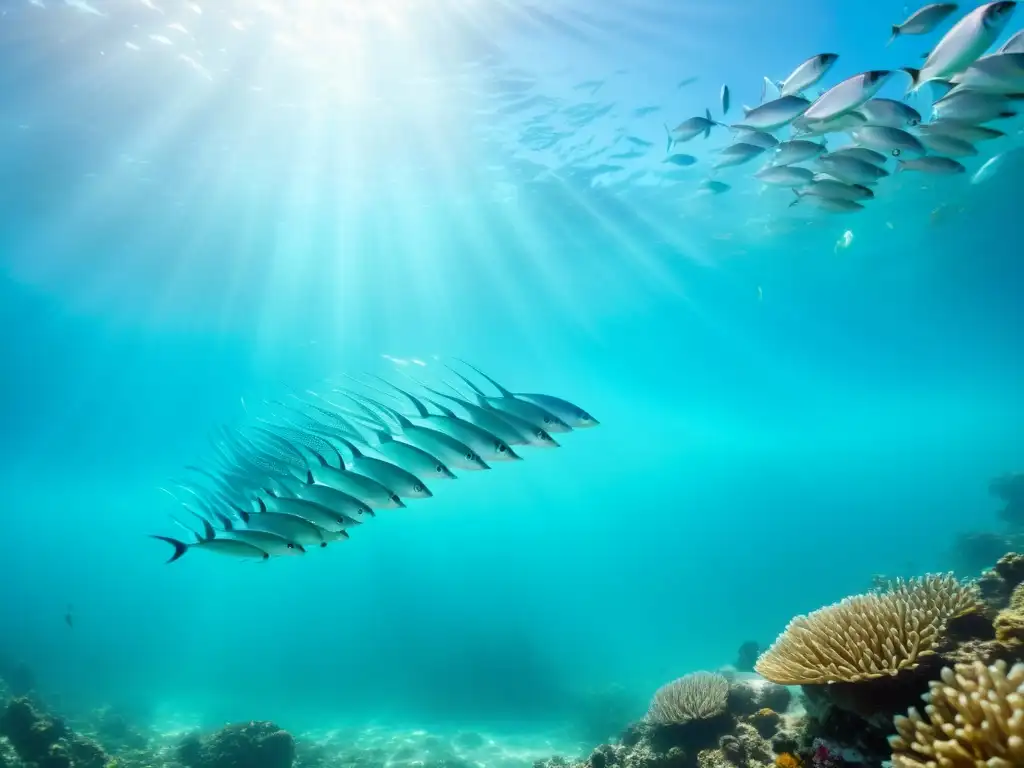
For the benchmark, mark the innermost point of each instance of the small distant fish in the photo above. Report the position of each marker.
(785, 176)
(737, 154)
(884, 138)
(831, 204)
(725, 99)
(993, 166)
(964, 43)
(69, 619)
(693, 127)
(889, 112)
(686, 81)
(961, 130)
(942, 144)
(681, 160)
(715, 187)
(756, 137)
(860, 153)
(847, 95)
(931, 164)
(1014, 45)
(774, 114)
(796, 151)
(837, 190)
(973, 106)
(805, 75)
(923, 21)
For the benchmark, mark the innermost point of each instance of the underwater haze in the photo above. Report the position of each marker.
(208, 204)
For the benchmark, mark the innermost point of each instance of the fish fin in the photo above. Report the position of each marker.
(895, 33)
(746, 110)
(262, 504)
(707, 131)
(915, 78)
(899, 165)
(180, 547)
(208, 532)
(469, 383)
(504, 392)
(799, 196)
(926, 54)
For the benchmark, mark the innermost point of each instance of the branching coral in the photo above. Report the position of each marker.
(974, 718)
(697, 696)
(867, 636)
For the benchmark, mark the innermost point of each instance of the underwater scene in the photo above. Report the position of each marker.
(511, 384)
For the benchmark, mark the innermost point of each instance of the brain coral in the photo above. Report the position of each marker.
(974, 718)
(867, 636)
(696, 696)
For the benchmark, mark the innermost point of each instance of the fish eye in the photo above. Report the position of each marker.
(418, 488)
(469, 456)
(913, 121)
(895, 153)
(502, 448)
(323, 543)
(439, 469)
(394, 497)
(290, 545)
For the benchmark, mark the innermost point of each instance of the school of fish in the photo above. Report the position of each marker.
(979, 88)
(323, 463)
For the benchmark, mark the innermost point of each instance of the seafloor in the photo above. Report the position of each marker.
(922, 673)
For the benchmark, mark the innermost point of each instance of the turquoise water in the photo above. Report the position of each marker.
(308, 193)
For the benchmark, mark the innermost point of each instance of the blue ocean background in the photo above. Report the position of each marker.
(329, 189)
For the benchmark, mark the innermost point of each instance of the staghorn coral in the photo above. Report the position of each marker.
(697, 696)
(867, 636)
(974, 718)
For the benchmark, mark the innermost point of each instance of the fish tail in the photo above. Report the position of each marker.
(668, 139)
(799, 196)
(180, 547)
(895, 33)
(899, 165)
(915, 78)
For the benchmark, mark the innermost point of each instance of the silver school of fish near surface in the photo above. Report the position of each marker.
(324, 463)
(980, 88)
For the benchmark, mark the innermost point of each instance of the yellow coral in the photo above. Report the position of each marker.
(787, 760)
(867, 636)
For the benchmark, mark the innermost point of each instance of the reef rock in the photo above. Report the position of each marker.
(242, 745)
(47, 742)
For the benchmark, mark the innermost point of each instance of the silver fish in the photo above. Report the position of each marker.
(1014, 45)
(923, 21)
(796, 151)
(837, 190)
(942, 144)
(695, 126)
(271, 543)
(774, 114)
(839, 124)
(785, 175)
(994, 165)
(966, 41)
(756, 137)
(931, 164)
(961, 130)
(831, 204)
(889, 112)
(512, 402)
(848, 95)
(725, 99)
(998, 73)
(453, 452)
(860, 153)
(973, 106)
(511, 429)
(737, 154)
(807, 74)
(680, 159)
(320, 516)
(408, 456)
(883, 138)
(348, 507)
(851, 169)
(229, 547)
(490, 447)
(715, 187)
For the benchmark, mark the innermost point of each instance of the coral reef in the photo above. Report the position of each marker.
(867, 636)
(697, 696)
(241, 745)
(974, 717)
(46, 741)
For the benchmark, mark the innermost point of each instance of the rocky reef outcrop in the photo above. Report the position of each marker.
(44, 741)
(254, 744)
